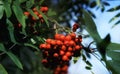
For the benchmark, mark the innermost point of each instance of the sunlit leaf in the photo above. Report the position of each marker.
(15, 59)
(2, 70)
(11, 31)
(1, 9)
(91, 27)
(114, 9)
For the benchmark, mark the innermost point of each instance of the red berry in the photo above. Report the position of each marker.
(64, 68)
(61, 52)
(55, 55)
(44, 61)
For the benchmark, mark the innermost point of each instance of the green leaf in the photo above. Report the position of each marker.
(41, 1)
(91, 27)
(93, 4)
(31, 45)
(29, 3)
(1, 9)
(15, 59)
(2, 48)
(106, 3)
(115, 17)
(116, 23)
(44, 16)
(88, 63)
(114, 9)
(103, 45)
(2, 70)
(113, 46)
(114, 54)
(20, 16)
(32, 13)
(7, 8)
(114, 66)
(75, 59)
(11, 31)
(51, 12)
(88, 68)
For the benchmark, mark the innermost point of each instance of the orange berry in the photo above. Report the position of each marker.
(48, 41)
(73, 35)
(48, 46)
(42, 46)
(34, 9)
(66, 43)
(53, 42)
(68, 38)
(36, 13)
(62, 37)
(57, 36)
(64, 68)
(27, 13)
(63, 47)
(70, 49)
(78, 47)
(40, 16)
(71, 43)
(68, 54)
(65, 58)
(58, 42)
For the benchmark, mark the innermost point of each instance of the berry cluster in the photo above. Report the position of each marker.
(58, 51)
(42, 9)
